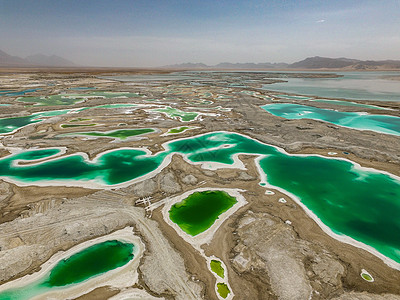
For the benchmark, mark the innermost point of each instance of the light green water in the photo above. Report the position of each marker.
(175, 113)
(179, 129)
(216, 267)
(359, 203)
(379, 123)
(223, 289)
(88, 263)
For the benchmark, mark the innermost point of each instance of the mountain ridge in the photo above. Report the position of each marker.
(315, 62)
(37, 60)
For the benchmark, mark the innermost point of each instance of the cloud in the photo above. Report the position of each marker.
(320, 21)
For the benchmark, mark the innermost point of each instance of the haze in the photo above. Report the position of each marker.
(156, 33)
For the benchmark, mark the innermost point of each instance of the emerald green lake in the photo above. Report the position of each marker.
(360, 203)
(200, 210)
(120, 134)
(88, 263)
(362, 121)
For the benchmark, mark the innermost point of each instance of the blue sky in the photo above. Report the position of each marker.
(154, 33)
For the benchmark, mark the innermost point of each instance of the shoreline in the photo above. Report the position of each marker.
(78, 289)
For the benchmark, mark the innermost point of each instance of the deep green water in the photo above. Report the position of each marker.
(363, 204)
(120, 134)
(200, 210)
(88, 263)
(8, 125)
(379, 123)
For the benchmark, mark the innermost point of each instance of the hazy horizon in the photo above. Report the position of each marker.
(156, 33)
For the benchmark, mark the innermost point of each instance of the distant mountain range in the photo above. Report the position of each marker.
(315, 62)
(38, 60)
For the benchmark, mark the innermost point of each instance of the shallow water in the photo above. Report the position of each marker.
(17, 93)
(353, 85)
(347, 103)
(355, 120)
(355, 202)
(88, 263)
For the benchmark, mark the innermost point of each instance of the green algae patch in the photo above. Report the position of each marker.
(216, 267)
(366, 276)
(88, 263)
(120, 134)
(200, 210)
(223, 290)
(77, 125)
(175, 113)
(178, 130)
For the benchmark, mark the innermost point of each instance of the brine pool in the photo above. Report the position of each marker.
(356, 120)
(344, 198)
(88, 263)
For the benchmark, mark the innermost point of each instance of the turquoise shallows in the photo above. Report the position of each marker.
(200, 210)
(88, 263)
(361, 203)
(17, 93)
(362, 121)
(8, 125)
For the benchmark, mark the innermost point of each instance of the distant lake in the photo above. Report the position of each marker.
(353, 85)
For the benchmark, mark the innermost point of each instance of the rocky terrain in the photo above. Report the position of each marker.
(272, 250)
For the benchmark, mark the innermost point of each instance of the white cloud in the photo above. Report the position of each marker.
(320, 21)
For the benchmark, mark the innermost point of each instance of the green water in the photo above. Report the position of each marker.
(216, 267)
(379, 123)
(8, 125)
(178, 130)
(223, 290)
(363, 204)
(119, 134)
(175, 113)
(88, 263)
(200, 210)
(77, 125)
